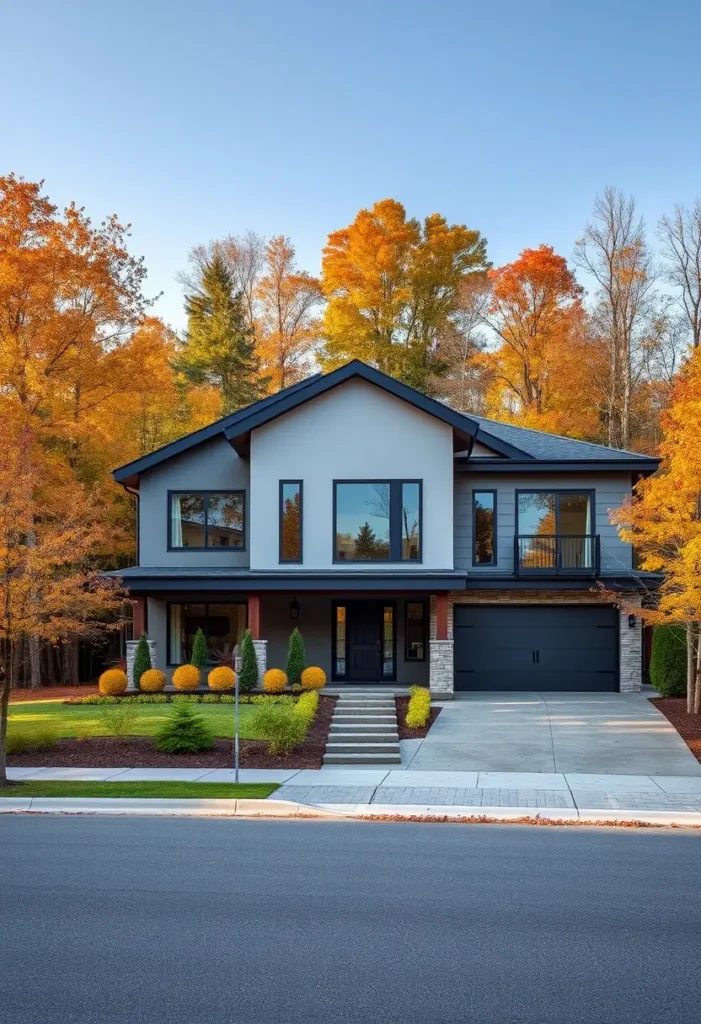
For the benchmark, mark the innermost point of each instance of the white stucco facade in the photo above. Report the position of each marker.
(354, 432)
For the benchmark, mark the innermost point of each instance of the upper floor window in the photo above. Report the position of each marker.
(484, 517)
(377, 521)
(555, 529)
(290, 520)
(207, 519)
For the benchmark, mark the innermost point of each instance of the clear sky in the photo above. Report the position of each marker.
(195, 118)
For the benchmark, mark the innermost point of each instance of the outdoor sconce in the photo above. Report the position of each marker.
(294, 609)
(631, 621)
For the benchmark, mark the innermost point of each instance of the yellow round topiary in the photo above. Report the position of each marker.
(152, 680)
(221, 678)
(313, 678)
(186, 677)
(274, 680)
(112, 682)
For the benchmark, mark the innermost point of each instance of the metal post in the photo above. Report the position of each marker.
(236, 729)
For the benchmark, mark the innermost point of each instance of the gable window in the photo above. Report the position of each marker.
(555, 529)
(290, 520)
(377, 521)
(207, 519)
(415, 631)
(222, 624)
(484, 526)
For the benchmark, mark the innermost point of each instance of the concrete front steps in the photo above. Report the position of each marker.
(364, 730)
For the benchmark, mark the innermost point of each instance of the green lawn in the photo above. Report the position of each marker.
(164, 790)
(26, 716)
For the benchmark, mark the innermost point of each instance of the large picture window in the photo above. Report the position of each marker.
(377, 521)
(290, 520)
(484, 524)
(207, 519)
(222, 624)
(555, 528)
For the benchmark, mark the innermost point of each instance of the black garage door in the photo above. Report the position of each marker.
(536, 648)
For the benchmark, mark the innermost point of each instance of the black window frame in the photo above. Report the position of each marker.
(206, 494)
(495, 555)
(193, 600)
(424, 622)
(395, 520)
(556, 492)
(291, 561)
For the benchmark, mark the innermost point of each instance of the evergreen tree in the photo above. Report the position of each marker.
(366, 543)
(668, 661)
(142, 660)
(295, 657)
(200, 652)
(219, 347)
(248, 676)
(184, 732)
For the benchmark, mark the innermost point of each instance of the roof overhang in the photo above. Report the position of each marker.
(645, 467)
(151, 580)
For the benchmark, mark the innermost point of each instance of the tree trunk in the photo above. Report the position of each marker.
(697, 674)
(690, 668)
(34, 662)
(4, 705)
(50, 665)
(16, 662)
(70, 663)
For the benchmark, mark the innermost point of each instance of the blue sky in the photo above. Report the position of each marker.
(195, 119)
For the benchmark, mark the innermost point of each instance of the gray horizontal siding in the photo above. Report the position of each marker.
(611, 490)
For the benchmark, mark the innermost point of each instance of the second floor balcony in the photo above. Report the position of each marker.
(557, 555)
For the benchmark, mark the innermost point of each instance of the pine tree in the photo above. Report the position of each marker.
(248, 676)
(142, 659)
(366, 545)
(219, 347)
(295, 657)
(184, 732)
(200, 652)
(668, 661)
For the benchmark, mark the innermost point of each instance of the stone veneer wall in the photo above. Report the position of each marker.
(441, 669)
(131, 654)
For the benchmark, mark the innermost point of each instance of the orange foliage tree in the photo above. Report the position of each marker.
(664, 521)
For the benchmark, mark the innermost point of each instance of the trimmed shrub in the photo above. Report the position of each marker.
(200, 654)
(295, 657)
(668, 661)
(307, 706)
(313, 678)
(185, 732)
(112, 681)
(119, 721)
(186, 677)
(152, 681)
(280, 725)
(142, 660)
(248, 676)
(419, 710)
(274, 680)
(221, 678)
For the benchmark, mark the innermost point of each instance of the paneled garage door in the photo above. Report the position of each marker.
(530, 647)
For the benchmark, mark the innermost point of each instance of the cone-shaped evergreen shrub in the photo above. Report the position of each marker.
(248, 676)
(668, 661)
(184, 732)
(142, 660)
(295, 657)
(200, 653)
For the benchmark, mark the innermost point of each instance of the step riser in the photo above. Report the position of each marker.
(362, 748)
(390, 723)
(362, 759)
(363, 737)
(367, 727)
(364, 731)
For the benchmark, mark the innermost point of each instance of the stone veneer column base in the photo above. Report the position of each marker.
(261, 647)
(131, 654)
(440, 672)
(630, 654)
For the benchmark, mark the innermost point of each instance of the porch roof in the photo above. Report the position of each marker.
(143, 578)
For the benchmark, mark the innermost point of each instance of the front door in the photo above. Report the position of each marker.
(364, 641)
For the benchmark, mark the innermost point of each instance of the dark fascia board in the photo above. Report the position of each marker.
(644, 466)
(129, 473)
(238, 434)
(637, 582)
(289, 582)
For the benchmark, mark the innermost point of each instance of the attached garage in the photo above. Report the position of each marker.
(536, 647)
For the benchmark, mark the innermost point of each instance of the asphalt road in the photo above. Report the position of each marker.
(187, 922)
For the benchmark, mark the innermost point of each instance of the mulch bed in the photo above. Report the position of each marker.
(412, 734)
(53, 693)
(138, 752)
(688, 726)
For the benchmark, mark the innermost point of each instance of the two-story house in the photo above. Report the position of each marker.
(408, 542)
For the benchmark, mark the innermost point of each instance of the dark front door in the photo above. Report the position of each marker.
(364, 641)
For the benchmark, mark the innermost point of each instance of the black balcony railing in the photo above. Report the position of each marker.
(557, 554)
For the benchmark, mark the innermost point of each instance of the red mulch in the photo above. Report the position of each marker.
(412, 734)
(688, 726)
(138, 752)
(53, 693)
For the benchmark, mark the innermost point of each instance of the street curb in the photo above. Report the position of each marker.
(368, 812)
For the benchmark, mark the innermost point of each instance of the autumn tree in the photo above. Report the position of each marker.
(219, 347)
(467, 375)
(664, 520)
(392, 287)
(680, 236)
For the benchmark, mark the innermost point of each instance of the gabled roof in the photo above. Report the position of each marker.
(550, 447)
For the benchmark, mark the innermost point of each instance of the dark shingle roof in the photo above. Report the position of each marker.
(549, 447)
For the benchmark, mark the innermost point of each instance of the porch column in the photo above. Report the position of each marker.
(440, 671)
(261, 646)
(138, 618)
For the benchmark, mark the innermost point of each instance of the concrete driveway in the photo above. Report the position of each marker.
(594, 733)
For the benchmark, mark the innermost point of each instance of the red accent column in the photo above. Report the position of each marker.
(441, 616)
(139, 617)
(254, 615)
